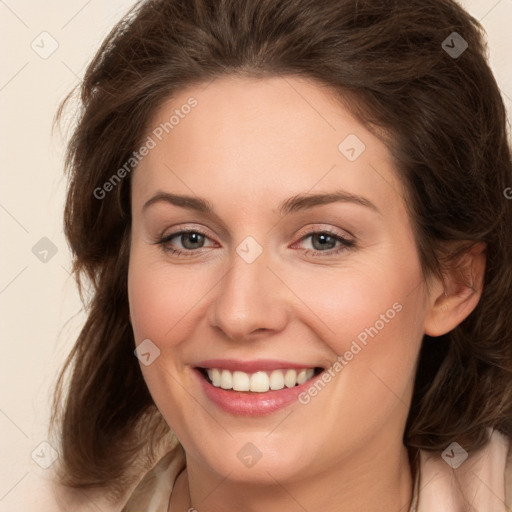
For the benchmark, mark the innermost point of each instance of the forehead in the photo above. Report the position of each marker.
(262, 138)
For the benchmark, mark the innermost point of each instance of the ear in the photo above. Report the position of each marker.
(456, 296)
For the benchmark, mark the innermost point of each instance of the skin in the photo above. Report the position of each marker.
(248, 146)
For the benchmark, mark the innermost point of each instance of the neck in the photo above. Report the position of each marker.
(380, 483)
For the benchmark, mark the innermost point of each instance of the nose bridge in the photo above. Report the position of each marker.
(249, 297)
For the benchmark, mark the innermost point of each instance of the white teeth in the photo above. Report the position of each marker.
(290, 378)
(258, 382)
(302, 377)
(240, 381)
(226, 380)
(277, 380)
(214, 375)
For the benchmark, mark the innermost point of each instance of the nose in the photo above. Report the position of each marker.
(250, 300)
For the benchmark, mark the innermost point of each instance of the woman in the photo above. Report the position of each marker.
(293, 213)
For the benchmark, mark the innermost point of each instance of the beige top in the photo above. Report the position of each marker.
(482, 483)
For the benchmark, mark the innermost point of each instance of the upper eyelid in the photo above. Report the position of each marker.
(167, 237)
(316, 228)
(345, 241)
(185, 229)
(216, 230)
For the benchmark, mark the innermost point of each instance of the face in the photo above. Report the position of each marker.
(272, 252)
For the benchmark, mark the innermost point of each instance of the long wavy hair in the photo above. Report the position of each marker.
(443, 119)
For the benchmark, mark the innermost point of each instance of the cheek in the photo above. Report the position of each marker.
(148, 302)
(372, 315)
(372, 322)
(161, 299)
(161, 296)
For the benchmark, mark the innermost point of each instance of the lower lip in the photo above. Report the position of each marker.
(252, 404)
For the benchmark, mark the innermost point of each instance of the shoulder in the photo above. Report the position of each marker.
(455, 479)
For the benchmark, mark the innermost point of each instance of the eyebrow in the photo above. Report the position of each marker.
(293, 204)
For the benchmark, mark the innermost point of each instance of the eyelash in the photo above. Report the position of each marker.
(345, 243)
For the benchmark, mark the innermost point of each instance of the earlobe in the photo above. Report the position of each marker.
(457, 296)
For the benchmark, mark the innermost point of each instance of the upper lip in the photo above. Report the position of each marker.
(253, 365)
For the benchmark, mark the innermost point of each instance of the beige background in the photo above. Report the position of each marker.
(41, 311)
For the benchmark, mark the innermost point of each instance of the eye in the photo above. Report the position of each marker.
(326, 243)
(184, 241)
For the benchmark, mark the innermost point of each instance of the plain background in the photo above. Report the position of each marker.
(41, 311)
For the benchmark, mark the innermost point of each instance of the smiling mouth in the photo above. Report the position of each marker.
(260, 381)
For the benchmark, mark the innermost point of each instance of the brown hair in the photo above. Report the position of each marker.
(445, 124)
